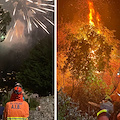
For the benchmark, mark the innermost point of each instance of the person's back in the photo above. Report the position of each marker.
(16, 109)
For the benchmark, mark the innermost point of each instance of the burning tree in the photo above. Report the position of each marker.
(85, 54)
(88, 50)
(85, 51)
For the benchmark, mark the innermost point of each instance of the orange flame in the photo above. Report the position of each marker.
(98, 17)
(92, 12)
(19, 29)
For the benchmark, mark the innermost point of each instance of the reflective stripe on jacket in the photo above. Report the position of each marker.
(17, 118)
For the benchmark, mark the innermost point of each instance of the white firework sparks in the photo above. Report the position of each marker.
(31, 11)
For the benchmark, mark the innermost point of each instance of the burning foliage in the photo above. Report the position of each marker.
(85, 54)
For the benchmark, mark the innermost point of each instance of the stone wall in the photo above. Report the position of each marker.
(46, 111)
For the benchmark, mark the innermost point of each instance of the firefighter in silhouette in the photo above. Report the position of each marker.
(16, 109)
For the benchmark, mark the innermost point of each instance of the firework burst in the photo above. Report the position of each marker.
(32, 12)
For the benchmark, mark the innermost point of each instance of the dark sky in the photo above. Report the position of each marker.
(109, 11)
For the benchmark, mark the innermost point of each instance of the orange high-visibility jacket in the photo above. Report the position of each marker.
(16, 110)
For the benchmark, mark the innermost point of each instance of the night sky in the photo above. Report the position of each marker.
(109, 10)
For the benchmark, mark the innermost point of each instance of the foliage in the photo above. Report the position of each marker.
(69, 110)
(33, 103)
(94, 90)
(81, 93)
(5, 99)
(36, 74)
(84, 56)
(87, 50)
(5, 21)
(85, 53)
(8, 81)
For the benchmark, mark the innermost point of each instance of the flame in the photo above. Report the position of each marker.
(98, 17)
(92, 12)
(19, 29)
(17, 32)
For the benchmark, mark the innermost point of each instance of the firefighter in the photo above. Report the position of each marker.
(112, 103)
(106, 110)
(16, 109)
(18, 84)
